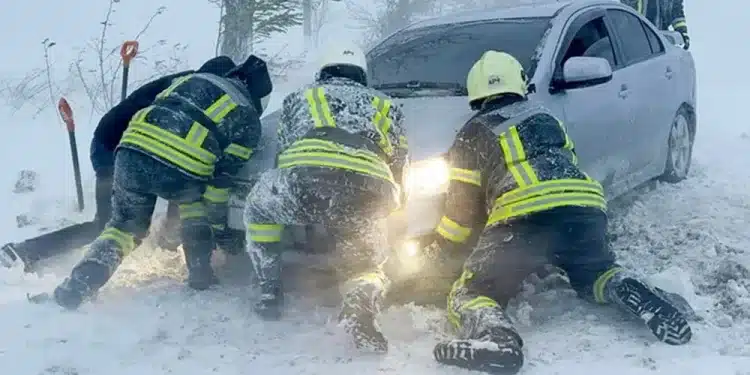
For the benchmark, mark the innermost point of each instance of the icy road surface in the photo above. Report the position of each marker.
(690, 238)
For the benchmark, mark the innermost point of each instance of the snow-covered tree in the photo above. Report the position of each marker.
(382, 17)
(245, 23)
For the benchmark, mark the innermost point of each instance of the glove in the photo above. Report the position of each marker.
(687, 40)
(229, 241)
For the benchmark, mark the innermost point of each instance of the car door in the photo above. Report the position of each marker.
(665, 86)
(593, 113)
(644, 77)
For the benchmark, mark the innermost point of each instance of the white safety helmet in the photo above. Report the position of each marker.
(346, 61)
(495, 73)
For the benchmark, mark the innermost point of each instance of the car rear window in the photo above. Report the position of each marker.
(445, 53)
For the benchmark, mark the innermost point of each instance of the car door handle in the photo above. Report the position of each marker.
(624, 92)
(669, 73)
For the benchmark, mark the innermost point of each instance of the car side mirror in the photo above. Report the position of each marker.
(583, 71)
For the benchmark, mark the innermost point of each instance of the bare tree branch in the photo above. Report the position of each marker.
(103, 93)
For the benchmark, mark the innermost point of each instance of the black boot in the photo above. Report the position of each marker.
(271, 302)
(200, 274)
(9, 256)
(360, 323)
(360, 306)
(496, 351)
(84, 282)
(664, 320)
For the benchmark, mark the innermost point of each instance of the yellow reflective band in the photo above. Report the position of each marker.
(333, 160)
(218, 227)
(453, 310)
(382, 123)
(168, 153)
(468, 176)
(265, 233)
(175, 83)
(216, 195)
(239, 151)
(197, 134)
(639, 6)
(601, 283)
(544, 203)
(140, 116)
(569, 145)
(321, 145)
(124, 241)
(515, 158)
(376, 278)
(180, 153)
(172, 140)
(193, 210)
(550, 187)
(220, 108)
(452, 231)
(316, 100)
(679, 22)
(477, 303)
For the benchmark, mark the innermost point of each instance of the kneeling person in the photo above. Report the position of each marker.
(185, 148)
(342, 153)
(516, 162)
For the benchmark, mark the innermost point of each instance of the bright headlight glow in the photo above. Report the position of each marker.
(428, 177)
(410, 249)
(409, 257)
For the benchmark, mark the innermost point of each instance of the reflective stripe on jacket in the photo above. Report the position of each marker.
(186, 127)
(508, 161)
(328, 145)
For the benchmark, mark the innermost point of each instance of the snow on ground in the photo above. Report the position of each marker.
(689, 238)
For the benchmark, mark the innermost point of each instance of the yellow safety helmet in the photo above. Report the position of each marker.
(495, 73)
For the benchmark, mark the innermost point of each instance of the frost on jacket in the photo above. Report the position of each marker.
(352, 109)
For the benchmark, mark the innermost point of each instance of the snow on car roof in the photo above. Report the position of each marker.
(526, 9)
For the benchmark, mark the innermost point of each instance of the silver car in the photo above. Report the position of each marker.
(625, 91)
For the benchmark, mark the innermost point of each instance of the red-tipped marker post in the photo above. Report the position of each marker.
(128, 51)
(66, 113)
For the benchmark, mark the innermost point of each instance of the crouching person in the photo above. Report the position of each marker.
(184, 148)
(342, 153)
(514, 160)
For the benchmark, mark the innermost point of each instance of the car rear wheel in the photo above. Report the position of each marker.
(679, 149)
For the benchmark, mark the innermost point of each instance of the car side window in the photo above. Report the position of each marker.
(656, 45)
(635, 44)
(592, 40)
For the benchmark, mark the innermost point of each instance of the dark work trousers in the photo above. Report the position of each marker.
(352, 206)
(138, 180)
(572, 238)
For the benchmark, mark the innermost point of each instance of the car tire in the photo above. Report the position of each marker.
(679, 148)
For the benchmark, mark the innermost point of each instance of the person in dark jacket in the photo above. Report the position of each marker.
(342, 154)
(106, 137)
(184, 147)
(514, 177)
(663, 14)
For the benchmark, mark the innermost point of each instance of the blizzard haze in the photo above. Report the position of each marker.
(690, 238)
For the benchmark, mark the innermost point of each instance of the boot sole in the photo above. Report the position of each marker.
(480, 356)
(665, 321)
